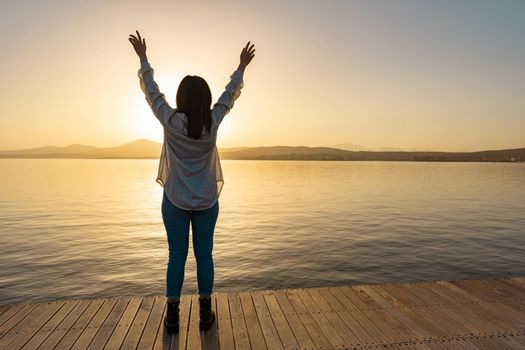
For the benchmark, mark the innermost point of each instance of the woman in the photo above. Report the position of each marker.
(190, 173)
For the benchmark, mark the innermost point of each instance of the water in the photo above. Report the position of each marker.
(92, 228)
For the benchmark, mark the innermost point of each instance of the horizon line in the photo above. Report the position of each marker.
(367, 149)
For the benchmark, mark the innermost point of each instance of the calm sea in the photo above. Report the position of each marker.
(92, 228)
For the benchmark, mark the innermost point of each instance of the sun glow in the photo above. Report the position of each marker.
(145, 123)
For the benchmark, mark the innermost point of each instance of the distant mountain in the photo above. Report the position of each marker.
(351, 147)
(151, 150)
(39, 151)
(137, 149)
(327, 153)
(356, 148)
(389, 149)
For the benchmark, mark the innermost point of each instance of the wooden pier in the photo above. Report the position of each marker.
(460, 314)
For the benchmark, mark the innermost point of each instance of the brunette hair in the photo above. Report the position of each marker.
(194, 100)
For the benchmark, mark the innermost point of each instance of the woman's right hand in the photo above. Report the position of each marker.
(247, 55)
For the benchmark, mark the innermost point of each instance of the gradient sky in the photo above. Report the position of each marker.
(442, 75)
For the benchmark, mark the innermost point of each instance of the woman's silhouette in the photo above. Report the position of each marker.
(190, 172)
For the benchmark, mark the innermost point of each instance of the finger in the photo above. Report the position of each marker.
(133, 37)
(246, 47)
(138, 35)
(144, 42)
(251, 47)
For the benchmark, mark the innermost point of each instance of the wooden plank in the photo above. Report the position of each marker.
(516, 288)
(299, 331)
(472, 325)
(78, 327)
(16, 318)
(163, 339)
(502, 289)
(7, 314)
(507, 288)
(495, 312)
(518, 279)
(311, 325)
(491, 289)
(510, 312)
(210, 338)
(405, 332)
(442, 320)
(429, 326)
(269, 331)
(131, 340)
(280, 322)
(20, 322)
(224, 322)
(105, 331)
(490, 343)
(334, 297)
(364, 297)
(373, 333)
(461, 344)
(416, 331)
(24, 330)
(434, 313)
(465, 310)
(121, 329)
(179, 340)
(461, 314)
(509, 340)
(194, 339)
(431, 345)
(151, 329)
(435, 345)
(4, 308)
(518, 338)
(464, 293)
(406, 300)
(324, 324)
(94, 325)
(58, 333)
(240, 332)
(426, 292)
(476, 290)
(344, 332)
(394, 329)
(252, 322)
(39, 337)
(352, 299)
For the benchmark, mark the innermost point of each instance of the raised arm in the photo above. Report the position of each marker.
(156, 100)
(233, 89)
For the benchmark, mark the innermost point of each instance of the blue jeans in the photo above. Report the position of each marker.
(177, 224)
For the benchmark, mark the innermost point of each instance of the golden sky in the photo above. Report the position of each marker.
(441, 75)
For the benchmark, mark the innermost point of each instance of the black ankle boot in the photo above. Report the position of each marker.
(207, 315)
(171, 321)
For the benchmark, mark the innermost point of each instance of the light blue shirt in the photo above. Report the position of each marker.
(189, 169)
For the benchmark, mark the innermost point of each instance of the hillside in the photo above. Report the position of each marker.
(151, 150)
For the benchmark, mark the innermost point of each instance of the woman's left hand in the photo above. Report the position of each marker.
(139, 44)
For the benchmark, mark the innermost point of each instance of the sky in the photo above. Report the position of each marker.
(442, 75)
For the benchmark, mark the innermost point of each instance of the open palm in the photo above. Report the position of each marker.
(247, 54)
(139, 44)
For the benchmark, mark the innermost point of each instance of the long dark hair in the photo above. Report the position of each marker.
(194, 99)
